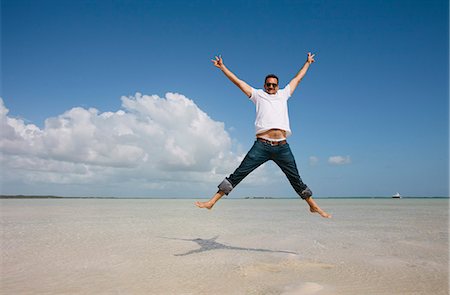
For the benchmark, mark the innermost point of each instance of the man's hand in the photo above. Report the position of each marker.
(218, 62)
(310, 59)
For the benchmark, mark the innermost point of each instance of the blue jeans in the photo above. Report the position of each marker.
(260, 153)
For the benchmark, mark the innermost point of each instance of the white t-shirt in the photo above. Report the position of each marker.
(271, 110)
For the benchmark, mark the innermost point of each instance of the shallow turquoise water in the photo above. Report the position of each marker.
(95, 246)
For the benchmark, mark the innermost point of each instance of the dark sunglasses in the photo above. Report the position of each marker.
(271, 84)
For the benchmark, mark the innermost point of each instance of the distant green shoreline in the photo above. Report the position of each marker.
(29, 197)
(170, 198)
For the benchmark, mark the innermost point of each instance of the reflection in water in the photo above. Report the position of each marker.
(211, 244)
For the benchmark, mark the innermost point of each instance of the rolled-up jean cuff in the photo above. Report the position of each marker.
(306, 193)
(225, 186)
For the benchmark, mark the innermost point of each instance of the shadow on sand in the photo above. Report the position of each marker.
(211, 244)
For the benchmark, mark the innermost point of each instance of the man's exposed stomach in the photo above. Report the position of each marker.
(273, 134)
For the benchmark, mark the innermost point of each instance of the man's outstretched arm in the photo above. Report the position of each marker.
(247, 89)
(296, 80)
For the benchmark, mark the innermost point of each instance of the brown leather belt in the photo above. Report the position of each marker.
(272, 142)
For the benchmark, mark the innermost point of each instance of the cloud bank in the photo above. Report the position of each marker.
(156, 143)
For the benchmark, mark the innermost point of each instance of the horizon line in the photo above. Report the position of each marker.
(20, 196)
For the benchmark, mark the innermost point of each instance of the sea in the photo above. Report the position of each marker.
(241, 246)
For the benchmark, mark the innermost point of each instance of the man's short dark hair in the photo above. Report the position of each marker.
(271, 76)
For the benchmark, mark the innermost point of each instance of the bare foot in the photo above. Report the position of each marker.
(314, 208)
(207, 205)
(320, 211)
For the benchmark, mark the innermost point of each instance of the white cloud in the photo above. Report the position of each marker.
(150, 142)
(339, 160)
(313, 161)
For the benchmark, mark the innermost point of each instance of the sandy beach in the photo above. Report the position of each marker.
(132, 246)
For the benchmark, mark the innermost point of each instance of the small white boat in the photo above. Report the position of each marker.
(396, 196)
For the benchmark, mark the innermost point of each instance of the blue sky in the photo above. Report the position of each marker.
(375, 100)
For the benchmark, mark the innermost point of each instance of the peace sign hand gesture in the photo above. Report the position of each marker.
(218, 62)
(310, 59)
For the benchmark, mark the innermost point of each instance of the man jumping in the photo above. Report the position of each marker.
(272, 129)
